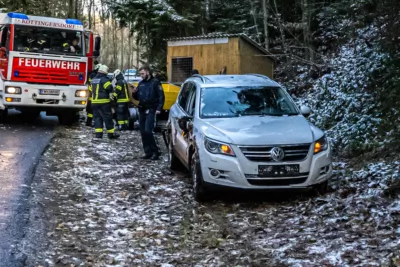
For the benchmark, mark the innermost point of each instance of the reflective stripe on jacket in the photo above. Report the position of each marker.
(101, 89)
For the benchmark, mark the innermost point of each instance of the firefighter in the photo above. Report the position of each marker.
(101, 90)
(89, 109)
(151, 98)
(122, 96)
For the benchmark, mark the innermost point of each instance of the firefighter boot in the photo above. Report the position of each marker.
(113, 135)
(124, 127)
(89, 122)
(99, 135)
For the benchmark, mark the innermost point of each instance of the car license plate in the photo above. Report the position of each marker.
(49, 92)
(278, 170)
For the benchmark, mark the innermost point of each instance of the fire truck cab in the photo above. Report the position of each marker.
(44, 64)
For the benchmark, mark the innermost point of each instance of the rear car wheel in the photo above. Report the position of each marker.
(174, 162)
(199, 189)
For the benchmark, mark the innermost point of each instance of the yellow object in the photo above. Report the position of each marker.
(171, 92)
(317, 147)
(226, 149)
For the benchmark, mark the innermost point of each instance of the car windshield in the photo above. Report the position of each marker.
(48, 40)
(225, 102)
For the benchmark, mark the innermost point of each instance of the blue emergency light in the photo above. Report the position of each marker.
(74, 21)
(17, 15)
(16, 73)
(80, 77)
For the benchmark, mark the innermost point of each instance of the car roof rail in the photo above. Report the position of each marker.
(259, 75)
(203, 79)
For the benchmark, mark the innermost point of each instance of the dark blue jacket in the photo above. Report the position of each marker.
(101, 89)
(150, 94)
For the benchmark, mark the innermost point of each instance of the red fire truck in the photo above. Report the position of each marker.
(44, 64)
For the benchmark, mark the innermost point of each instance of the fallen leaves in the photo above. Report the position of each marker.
(122, 211)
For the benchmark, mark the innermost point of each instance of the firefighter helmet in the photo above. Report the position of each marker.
(103, 69)
(116, 73)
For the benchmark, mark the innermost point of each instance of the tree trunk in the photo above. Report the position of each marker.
(306, 22)
(254, 13)
(90, 13)
(122, 48)
(137, 51)
(281, 29)
(265, 4)
(76, 9)
(70, 8)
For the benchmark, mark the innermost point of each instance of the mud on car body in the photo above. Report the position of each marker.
(246, 132)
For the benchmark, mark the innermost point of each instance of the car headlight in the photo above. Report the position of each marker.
(321, 145)
(13, 90)
(81, 93)
(218, 148)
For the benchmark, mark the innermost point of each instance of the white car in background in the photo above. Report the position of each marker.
(245, 131)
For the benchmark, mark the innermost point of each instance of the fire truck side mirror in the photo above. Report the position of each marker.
(97, 42)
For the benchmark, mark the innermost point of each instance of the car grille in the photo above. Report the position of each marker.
(263, 153)
(281, 181)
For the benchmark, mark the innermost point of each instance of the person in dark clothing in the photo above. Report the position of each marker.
(122, 96)
(150, 95)
(102, 88)
(195, 72)
(89, 110)
(72, 47)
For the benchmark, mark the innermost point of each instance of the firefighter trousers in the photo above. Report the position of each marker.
(89, 112)
(102, 114)
(146, 125)
(123, 114)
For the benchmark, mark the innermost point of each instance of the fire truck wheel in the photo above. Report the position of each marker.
(3, 115)
(68, 118)
(30, 115)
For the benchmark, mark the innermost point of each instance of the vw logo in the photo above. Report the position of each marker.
(277, 154)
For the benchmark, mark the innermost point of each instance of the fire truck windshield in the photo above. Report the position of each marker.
(48, 40)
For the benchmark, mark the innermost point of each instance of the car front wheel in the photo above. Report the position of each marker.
(199, 189)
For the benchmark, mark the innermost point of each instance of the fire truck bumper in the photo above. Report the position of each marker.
(36, 95)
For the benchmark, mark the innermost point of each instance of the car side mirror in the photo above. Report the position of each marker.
(305, 111)
(185, 124)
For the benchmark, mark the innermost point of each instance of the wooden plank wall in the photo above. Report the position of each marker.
(250, 62)
(208, 59)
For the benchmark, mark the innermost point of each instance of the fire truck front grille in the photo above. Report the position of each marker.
(48, 101)
(41, 76)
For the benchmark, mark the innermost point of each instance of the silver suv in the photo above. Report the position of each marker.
(245, 131)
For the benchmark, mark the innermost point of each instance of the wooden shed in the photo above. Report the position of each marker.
(216, 54)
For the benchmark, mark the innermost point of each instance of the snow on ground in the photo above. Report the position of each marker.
(107, 207)
(343, 100)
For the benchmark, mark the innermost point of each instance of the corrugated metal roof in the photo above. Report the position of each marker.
(223, 35)
(209, 36)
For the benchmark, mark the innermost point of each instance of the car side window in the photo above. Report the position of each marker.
(184, 96)
(192, 101)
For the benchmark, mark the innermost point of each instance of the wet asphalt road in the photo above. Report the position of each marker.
(21, 145)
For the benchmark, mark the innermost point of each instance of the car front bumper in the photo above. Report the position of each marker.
(242, 173)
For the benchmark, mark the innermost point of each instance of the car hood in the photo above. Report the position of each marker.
(260, 130)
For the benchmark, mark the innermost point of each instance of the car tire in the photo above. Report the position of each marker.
(199, 189)
(174, 162)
